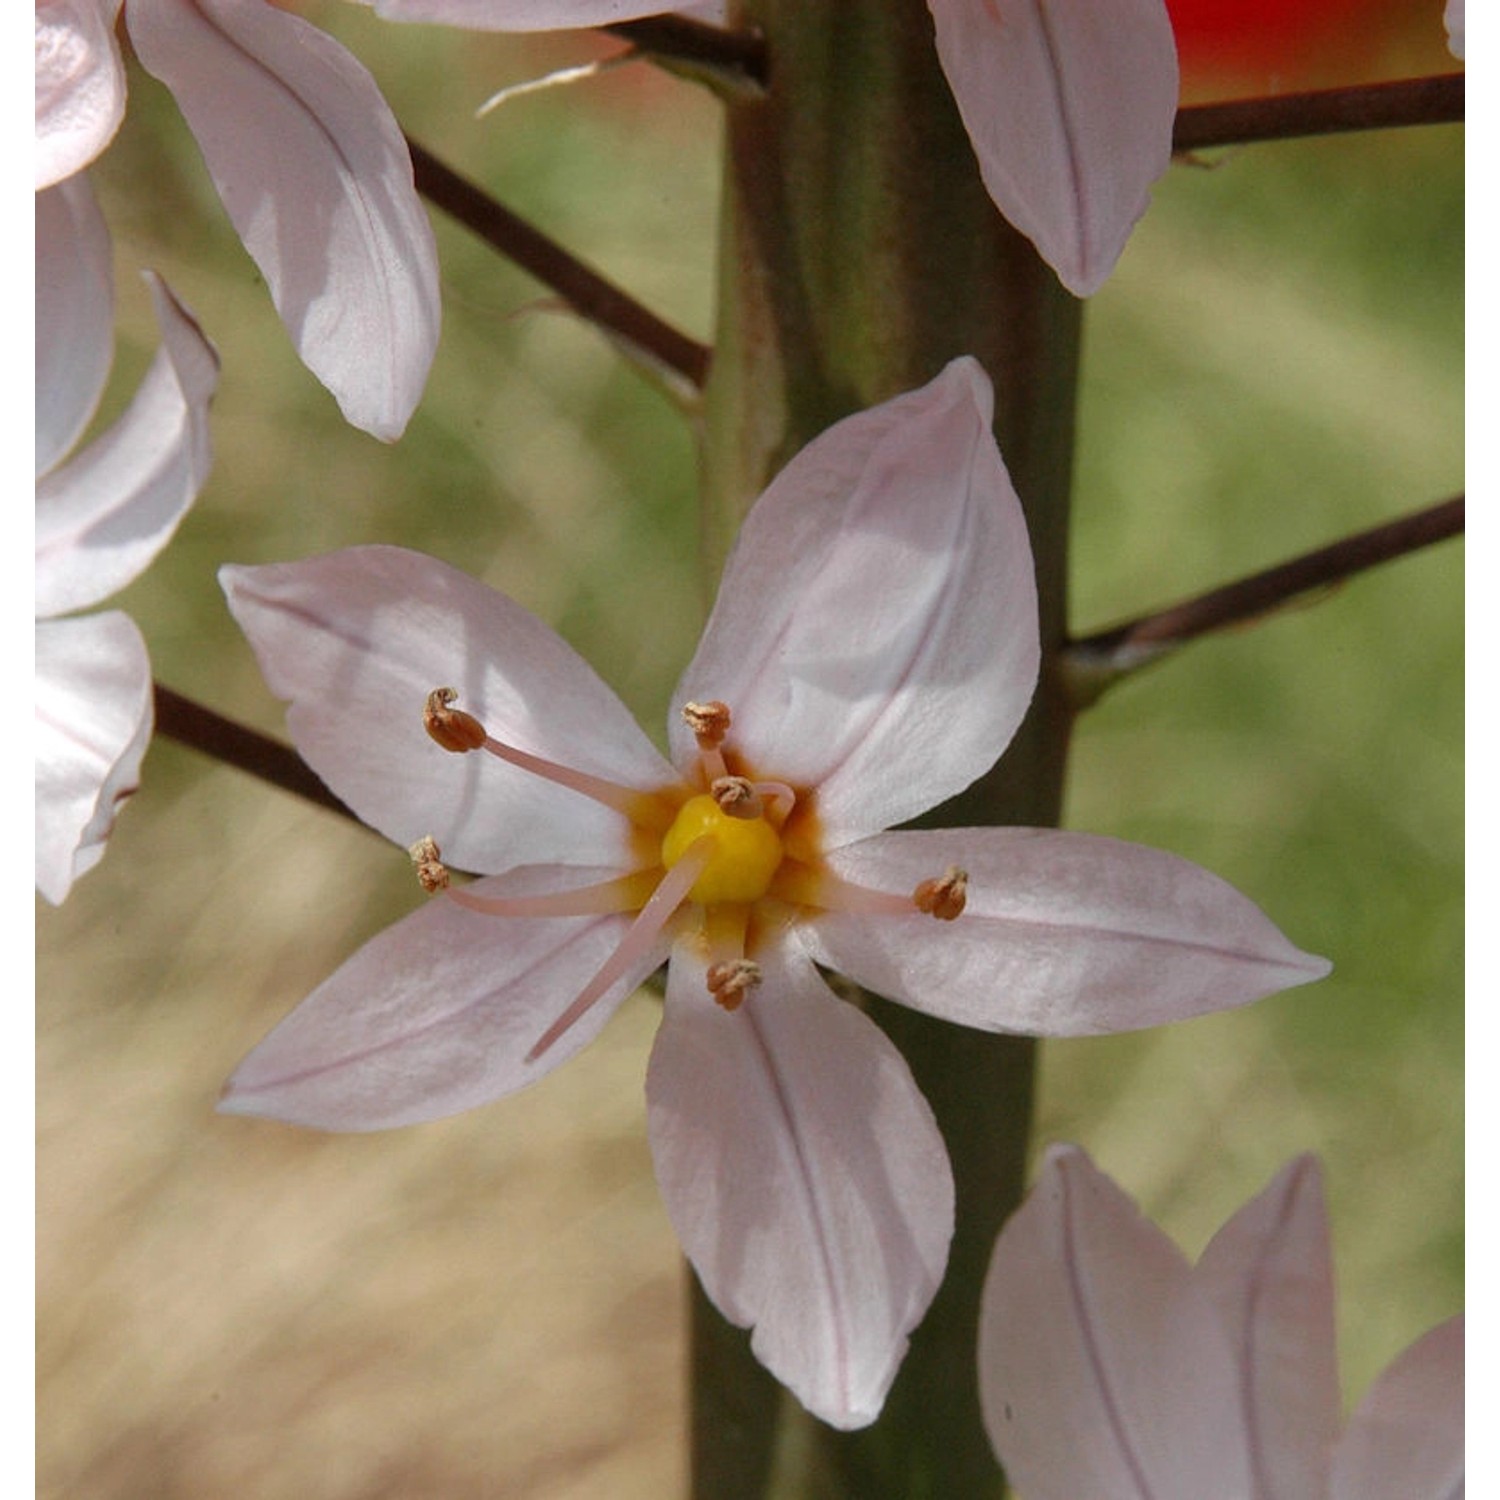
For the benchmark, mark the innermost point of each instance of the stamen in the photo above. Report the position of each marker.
(637, 943)
(454, 729)
(432, 873)
(779, 798)
(802, 885)
(739, 797)
(451, 727)
(736, 796)
(945, 897)
(625, 893)
(725, 927)
(730, 983)
(709, 723)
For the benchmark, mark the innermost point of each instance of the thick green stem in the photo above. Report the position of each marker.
(860, 254)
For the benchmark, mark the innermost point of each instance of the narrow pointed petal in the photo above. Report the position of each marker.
(1269, 1272)
(93, 723)
(1405, 1440)
(75, 315)
(875, 634)
(109, 510)
(1103, 1373)
(436, 1014)
(521, 15)
(804, 1175)
(1064, 934)
(80, 85)
(356, 640)
(315, 175)
(1070, 110)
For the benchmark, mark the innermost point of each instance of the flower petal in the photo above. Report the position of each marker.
(1453, 23)
(437, 1014)
(1064, 934)
(804, 1175)
(1070, 110)
(75, 315)
(93, 723)
(875, 634)
(80, 85)
(1269, 1271)
(521, 15)
(315, 175)
(1103, 1373)
(105, 514)
(357, 639)
(1405, 1440)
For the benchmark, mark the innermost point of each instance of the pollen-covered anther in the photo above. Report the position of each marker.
(451, 727)
(708, 721)
(432, 873)
(730, 982)
(944, 897)
(737, 797)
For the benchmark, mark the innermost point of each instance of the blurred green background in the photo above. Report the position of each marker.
(492, 1305)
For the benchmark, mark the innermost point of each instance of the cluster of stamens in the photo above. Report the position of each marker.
(432, 873)
(945, 897)
(451, 727)
(736, 795)
(729, 982)
(720, 851)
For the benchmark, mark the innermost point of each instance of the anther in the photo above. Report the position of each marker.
(708, 721)
(451, 727)
(736, 797)
(945, 897)
(730, 982)
(432, 873)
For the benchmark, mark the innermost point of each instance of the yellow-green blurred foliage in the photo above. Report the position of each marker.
(492, 1305)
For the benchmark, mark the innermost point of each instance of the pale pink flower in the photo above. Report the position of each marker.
(873, 649)
(1069, 106)
(1109, 1367)
(306, 157)
(101, 516)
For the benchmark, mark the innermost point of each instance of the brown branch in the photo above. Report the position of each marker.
(200, 728)
(1097, 661)
(737, 56)
(583, 288)
(1371, 106)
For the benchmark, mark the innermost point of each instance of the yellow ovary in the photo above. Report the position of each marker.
(746, 855)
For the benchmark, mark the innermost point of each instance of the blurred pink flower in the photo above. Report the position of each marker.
(306, 157)
(1109, 1366)
(1069, 106)
(872, 651)
(101, 517)
(1453, 23)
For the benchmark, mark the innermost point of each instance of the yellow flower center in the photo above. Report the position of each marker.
(746, 855)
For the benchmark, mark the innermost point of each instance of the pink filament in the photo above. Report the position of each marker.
(835, 894)
(781, 799)
(622, 798)
(620, 894)
(638, 942)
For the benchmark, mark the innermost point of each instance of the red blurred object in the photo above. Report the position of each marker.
(1280, 46)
